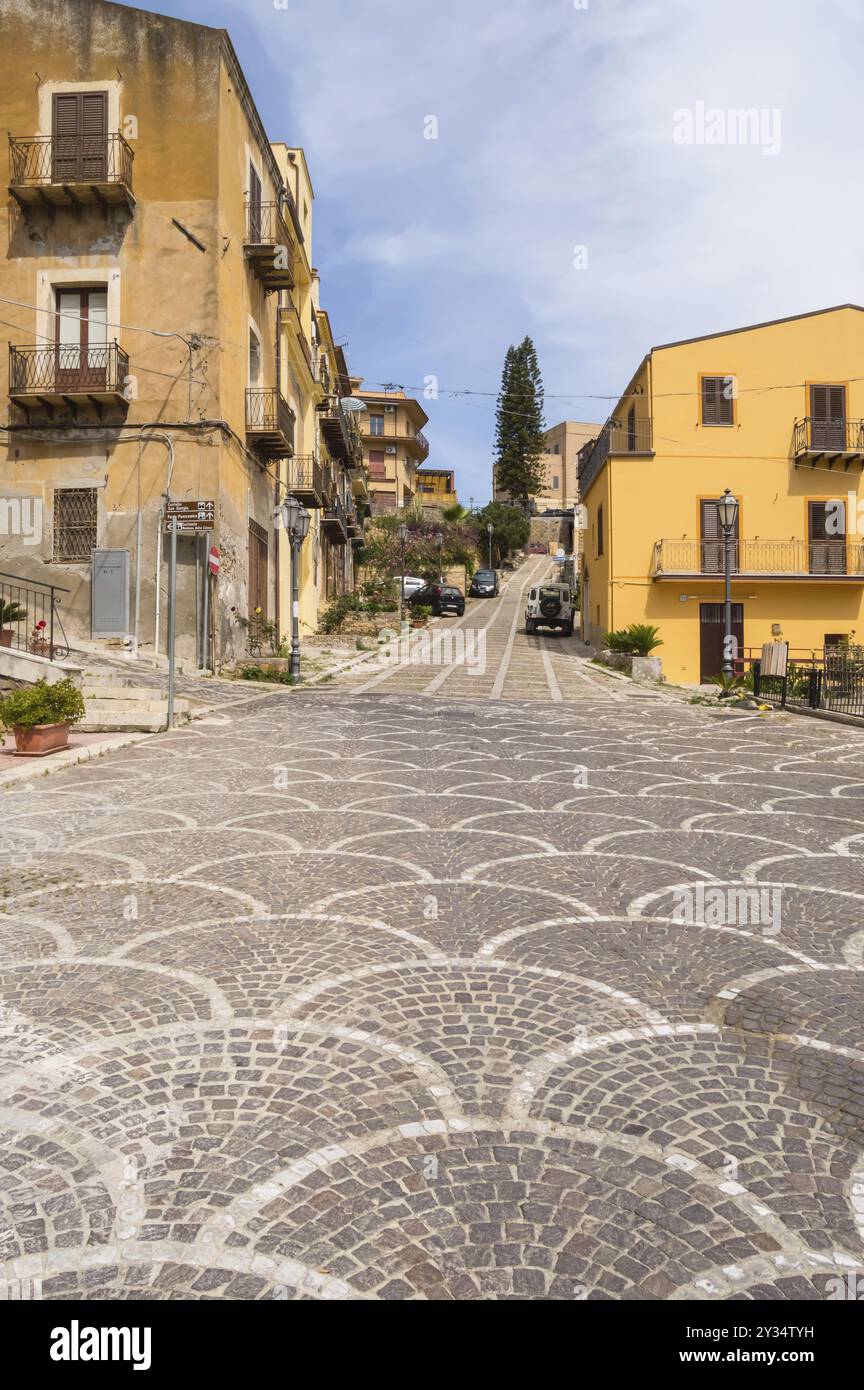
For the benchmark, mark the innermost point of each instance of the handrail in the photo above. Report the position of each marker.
(39, 619)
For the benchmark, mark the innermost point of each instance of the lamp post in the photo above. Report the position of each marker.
(403, 536)
(490, 528)
(439, 541)
(727, 511)
(295, 519)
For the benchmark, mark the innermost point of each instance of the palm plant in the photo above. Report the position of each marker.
(11, 613)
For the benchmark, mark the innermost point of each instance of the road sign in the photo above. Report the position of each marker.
(191, 517)
(213, 559)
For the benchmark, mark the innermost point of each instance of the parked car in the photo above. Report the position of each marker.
(537, 548)
(484, 584)
(441, 598)
(410, 584)
(550, 605)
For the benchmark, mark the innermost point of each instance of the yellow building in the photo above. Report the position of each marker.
(394, 446)
(772, 411)
(326, 472)
(559, 466)
(436, 488)
(147, 237)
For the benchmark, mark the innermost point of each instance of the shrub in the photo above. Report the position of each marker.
(61, 703)
(639, 639)
(265, 673)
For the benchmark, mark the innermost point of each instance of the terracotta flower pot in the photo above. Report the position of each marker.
(6, 635)
(38, 740)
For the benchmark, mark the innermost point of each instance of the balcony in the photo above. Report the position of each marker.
(70, 170)
(305, 479)
(417, 443)
(334, 521)
(269, 422)
(841, 560)
(837, 441)
(341, 437)
(53, 376)
(269, 245)
(616, 437)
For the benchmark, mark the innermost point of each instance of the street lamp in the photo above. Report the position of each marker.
(727, 512)
(490, 528)
(295, 519)
(439, 541)
(403, 537)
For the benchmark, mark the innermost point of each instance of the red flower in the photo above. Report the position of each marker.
(39, 626)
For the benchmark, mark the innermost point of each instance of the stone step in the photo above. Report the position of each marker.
(107, 680)
(143, 705)
(140, 721)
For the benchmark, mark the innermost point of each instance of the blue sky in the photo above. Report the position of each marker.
(559, 128)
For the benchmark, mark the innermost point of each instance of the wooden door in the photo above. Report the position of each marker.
(827, 544)
(828, 417)
(258, 569)
(81, 351)
(711, 634)
(711, 542)
(79, 137)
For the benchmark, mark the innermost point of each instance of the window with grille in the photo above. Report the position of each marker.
(75, 522)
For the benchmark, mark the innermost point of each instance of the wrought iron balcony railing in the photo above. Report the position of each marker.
(269, 245)
(631, 436)
(840, 436)
(59, 371)
(334, 519)
(270, 421)
(305, 479)
(70, 168)
(341, 436)
(789, 559)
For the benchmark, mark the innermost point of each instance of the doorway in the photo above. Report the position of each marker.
(711, 633)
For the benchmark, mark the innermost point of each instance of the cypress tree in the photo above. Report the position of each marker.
(519, 442)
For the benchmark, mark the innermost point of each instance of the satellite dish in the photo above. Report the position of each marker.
(352, 404)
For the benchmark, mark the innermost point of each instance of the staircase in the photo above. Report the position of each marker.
(115, 702)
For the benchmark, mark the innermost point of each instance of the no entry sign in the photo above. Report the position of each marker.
(213, 560)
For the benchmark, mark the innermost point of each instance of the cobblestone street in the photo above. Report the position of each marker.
(384, 990)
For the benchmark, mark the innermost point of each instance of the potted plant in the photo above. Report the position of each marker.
(9, 613)
(420, 615)
(41, 715)
(38, 643)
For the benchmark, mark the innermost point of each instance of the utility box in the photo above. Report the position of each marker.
(109, 594)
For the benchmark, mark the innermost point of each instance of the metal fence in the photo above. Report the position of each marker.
(30, 618)
(834, 682)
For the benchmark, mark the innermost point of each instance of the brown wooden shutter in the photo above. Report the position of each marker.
(94, 136)
(65, 128)
(254, 205)
(717, 406)
(828, 416)
(711, 537)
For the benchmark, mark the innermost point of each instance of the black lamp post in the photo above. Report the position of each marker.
(403, 536)
(727, 511)
(490, 528)
(295, 519)
(439, 541)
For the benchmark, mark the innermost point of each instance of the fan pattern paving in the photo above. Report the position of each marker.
(354, 998)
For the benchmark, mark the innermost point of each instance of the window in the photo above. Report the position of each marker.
(828, 417)
(631, 429)
(600, 529)
(556, 448)
(376, 424)
(555, 481)
(81, 339)
(254, 358)
(717, 403)
(79, 131)
(255, 228)
(75, 522)
(836, 639)
(827, 543)
(711, 545)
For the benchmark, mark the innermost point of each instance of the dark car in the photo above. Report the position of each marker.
(484, 584)
(441, 598)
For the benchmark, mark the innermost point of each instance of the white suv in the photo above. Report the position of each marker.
(550, 605)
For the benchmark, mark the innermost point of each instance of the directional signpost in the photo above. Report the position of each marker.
(191, 517)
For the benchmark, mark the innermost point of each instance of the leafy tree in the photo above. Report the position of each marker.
(511, 529)
(519, 441)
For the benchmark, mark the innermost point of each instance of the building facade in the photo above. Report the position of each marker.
(394, 446)
(164, 346)
(559, 464)
(436, 488)
(773, 412)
